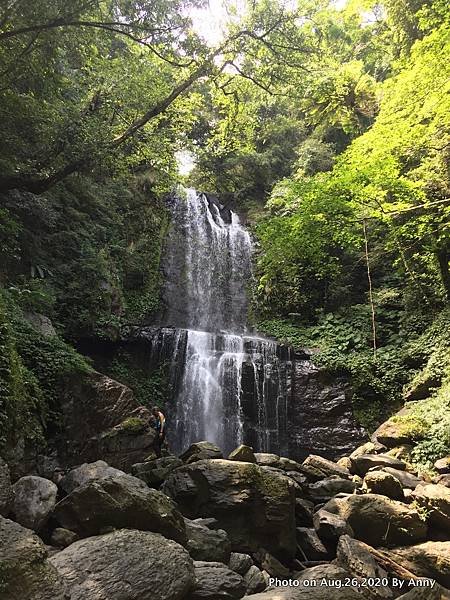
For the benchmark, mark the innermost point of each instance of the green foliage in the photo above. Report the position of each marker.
(98, 250)
(33, 374)
(149, 389)
(343, 341)
(309, 248)
(428, 421)
(22, 409)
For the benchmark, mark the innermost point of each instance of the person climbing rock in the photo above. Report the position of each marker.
(159, 424)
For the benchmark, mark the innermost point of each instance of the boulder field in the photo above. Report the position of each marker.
(203, 527)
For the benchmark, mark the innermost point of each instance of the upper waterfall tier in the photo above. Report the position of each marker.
(208, 266)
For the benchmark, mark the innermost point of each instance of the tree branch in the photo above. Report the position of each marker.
(113, 27)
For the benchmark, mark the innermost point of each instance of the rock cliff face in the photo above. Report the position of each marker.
(320, 416)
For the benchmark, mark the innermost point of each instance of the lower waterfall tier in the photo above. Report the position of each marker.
(231, 389)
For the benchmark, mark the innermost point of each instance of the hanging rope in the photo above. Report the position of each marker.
(369, 279)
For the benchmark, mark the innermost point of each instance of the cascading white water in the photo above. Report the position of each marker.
(207, 273)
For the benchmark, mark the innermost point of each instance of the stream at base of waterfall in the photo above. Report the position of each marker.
(214, 360)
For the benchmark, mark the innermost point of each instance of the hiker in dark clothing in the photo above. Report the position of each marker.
(160, 427)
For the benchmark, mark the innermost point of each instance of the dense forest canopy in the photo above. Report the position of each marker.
(326, 125)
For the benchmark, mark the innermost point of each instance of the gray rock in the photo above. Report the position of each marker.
(430, 559)
(330, 486)
(267, 460)
(368, 448)
(444, 480)
(25, 573)
(101, 419)
(215, 581)
(87, 472)
(311, 545)
(362, 464)
(392, 433)
(299, 478)
(61, 538)
(207, 544)
(306, 589)
(270, 564)
(6, 491)
(126, 564)
(34, 500)
(353, 556)
(435, 498)
(122, 501)
(243, 453)
(442, 465)
(240, 563)
(325, 466)
(380, 482)
(330, 527)
(41, 323)
(155, 472)
(408, 480)
(254, 506)
(304, 510)
(289, 465)
(378, 521)
(320, 414)
(201, 451)
(254, 581)
(426, 593)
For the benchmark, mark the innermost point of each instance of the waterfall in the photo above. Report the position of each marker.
(219, 372)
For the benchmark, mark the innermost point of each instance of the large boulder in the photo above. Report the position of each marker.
(325, 466)
(353, 556)
(215, 581)
(330, 527)
(368, 448)
(311, 546)
(426, 593)
(362, 464)
(100, 419)
(379, 521)
(330, 486)
(255, 506)
(435, 498)
(430, 559)
(6, 492)
(207, 544)
(380, 482)
(444, 480)
(393, 432)
(254, 580)
(442, 465)
(309, 586)
(61, 538)
(265, 459)
(25, 573)
(87, 472)
(34, 500)
(126, 564)
(122, 501)
(243, 453)
(155, 472)
(240, 562)
(304, 511)
(201, 451)
(408, 480)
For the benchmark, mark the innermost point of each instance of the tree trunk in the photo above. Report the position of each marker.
(443, 257)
